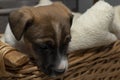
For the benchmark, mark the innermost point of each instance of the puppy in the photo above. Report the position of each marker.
(44, 33)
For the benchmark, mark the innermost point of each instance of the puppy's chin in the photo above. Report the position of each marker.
(48, 72)
(45, 71)
(42, 68)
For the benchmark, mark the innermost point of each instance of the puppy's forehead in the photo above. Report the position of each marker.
(51, 11)
(49, 22)
(54, 32)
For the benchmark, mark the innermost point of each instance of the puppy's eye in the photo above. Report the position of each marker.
(40, 46)
(67, 39)
(43, 46)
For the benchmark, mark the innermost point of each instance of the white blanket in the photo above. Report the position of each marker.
(93, 28)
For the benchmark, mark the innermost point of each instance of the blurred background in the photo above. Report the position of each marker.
(75, 5)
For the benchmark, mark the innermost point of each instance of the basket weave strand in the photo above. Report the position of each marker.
(101, 63)
(3, 50)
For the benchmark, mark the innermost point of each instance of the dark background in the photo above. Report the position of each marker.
(75, 5)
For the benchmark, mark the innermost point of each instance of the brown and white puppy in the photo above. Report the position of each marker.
(44, 32)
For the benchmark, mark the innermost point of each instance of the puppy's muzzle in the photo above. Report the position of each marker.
(59, 69)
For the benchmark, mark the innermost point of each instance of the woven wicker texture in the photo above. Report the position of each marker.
(101, 63)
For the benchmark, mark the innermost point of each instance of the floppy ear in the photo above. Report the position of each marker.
(19, 21)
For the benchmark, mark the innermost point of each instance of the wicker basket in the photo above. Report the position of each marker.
(101, 63)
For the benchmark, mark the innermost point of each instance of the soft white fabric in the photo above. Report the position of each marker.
(75, 16)
(92, 28)
(116, 22)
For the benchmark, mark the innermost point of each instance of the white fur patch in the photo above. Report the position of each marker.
(44, 3)
(9, 38)
(63, 64)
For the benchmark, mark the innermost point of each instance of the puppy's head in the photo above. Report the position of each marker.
(46, 31)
